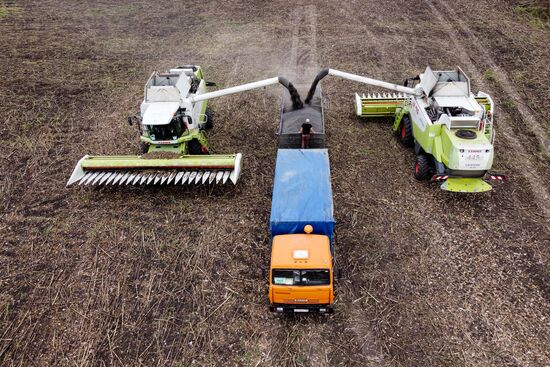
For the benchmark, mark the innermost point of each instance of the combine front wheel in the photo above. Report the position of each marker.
(144, 147)
(194, 147)
(421, 167)
(406, 133)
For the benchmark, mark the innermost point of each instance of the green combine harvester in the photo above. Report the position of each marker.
(172, 122)
(450, 128)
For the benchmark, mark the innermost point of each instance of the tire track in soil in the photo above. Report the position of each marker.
(369, 347)
(529, 171)
(302, 63)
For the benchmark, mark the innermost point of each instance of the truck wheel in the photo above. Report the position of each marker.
(406, 133)
(194, 147)
(209, 119)
(421, 167)
(144, 147)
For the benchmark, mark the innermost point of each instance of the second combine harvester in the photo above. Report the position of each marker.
(450, 128)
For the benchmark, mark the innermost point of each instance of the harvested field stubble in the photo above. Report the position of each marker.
(168, 276)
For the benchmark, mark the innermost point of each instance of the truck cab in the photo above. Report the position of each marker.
(301, 275)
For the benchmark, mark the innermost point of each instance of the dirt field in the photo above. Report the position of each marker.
(171, 276)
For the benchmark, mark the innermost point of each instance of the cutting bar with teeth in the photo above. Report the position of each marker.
(133, 170)
(379, 104)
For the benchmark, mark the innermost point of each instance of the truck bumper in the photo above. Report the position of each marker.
(284, 308)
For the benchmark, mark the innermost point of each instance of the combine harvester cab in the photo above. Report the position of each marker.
(450, 128)
(172, 123)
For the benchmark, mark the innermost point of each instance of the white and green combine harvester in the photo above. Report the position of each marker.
(450, 128)
(172, 122)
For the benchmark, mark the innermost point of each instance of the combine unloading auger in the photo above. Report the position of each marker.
(450, 128)
(172, 123)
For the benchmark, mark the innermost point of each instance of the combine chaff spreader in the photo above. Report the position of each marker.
(450, 128)
(172, 122)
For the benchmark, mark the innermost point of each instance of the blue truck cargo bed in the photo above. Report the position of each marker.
(302, 193)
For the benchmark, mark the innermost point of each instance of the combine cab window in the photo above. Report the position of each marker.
(301, 277)
(172, 131)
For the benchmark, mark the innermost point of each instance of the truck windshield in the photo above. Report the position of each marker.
(301, 277)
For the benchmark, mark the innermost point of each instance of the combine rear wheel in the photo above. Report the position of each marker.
(406, 132)
(209, 119)
(421, 167)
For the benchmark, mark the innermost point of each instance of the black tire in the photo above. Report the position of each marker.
(144, 147)
(209, 119)
(422, 167)
(194, 147)
(406, 132)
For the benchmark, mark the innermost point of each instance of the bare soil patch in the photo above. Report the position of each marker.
(172, 276)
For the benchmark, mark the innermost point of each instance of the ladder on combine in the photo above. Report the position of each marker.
(486, 102)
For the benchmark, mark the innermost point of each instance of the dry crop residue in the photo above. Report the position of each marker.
(172, 276)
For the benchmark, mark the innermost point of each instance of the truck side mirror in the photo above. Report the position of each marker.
(339, 274)
(131, 120)
(210, 84)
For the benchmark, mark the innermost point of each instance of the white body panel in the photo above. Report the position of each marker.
(428, 80)
(476, 158)
(159, 113)
(418, 113)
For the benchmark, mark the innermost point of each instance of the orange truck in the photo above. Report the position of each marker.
(301, 278)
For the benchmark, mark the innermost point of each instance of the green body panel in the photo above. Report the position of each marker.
(439, 141)
(450, 144)
(179, 145)
(456, 184)
(136, 162)
(427, 138)
(399, 113)
(203, 111)
(199, 73)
